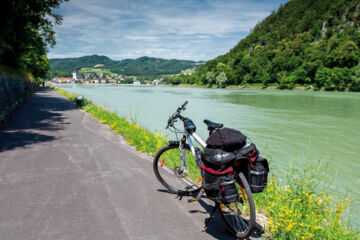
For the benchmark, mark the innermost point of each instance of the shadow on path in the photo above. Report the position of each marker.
(35, 121)
(12, 140)
(216, 227)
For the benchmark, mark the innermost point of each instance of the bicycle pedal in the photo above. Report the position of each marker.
(192, 200)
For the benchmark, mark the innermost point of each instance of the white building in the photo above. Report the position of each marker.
(156, 82)
(74, 75)
(136, 83)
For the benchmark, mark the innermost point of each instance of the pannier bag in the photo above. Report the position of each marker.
(219, 183)
(257, 175)
(227, 139)
(254, 167)
(218, 175)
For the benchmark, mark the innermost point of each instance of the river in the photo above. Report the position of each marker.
(287, 126)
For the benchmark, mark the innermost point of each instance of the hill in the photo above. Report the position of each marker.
(137, 67)
(305, 42)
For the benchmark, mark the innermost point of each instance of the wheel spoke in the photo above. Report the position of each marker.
(240, 217)
(167, 169)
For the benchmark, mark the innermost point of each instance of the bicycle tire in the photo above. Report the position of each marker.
(240, 217)
(167, 173)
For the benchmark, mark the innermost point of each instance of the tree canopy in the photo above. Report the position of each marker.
(26, 33)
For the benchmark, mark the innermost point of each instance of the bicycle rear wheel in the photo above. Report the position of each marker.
(240, 217)
(166, 165)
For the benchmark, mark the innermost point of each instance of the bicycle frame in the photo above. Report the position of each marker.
(196, 152)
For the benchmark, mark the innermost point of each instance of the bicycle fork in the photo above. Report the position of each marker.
(183, 170)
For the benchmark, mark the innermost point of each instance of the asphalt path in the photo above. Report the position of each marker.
(64, 175)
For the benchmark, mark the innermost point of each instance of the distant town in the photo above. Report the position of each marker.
(98, 75)
(78, 78)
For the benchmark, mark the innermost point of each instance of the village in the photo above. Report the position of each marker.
(101, 78)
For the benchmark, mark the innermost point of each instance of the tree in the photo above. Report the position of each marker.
(26, 32)
(355, 79)
(300, 75)
(210, 78)
(266, 79)
(221, 80)
(349, 54)
(321, 77)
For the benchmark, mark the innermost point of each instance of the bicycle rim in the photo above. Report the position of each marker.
(240, 216)
(167, 168)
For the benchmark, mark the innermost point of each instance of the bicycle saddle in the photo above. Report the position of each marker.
(212, 125)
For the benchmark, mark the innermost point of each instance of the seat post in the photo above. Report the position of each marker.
(211, 131)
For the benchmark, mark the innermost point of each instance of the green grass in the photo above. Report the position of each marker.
(292, 204)
(297, 210)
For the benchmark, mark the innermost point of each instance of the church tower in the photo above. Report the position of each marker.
(74, 75)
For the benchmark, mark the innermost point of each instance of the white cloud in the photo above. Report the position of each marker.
(188, 29)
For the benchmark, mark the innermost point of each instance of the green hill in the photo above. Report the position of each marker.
(143, 66)
(304, 42)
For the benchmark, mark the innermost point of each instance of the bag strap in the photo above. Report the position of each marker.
(216, 172)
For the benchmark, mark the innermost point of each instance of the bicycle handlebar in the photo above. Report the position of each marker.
(176, 115)
(184, 104)
(182, 107)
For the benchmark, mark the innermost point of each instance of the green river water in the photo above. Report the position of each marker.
(286, 125)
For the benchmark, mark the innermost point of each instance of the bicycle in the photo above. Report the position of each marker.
(177, 165)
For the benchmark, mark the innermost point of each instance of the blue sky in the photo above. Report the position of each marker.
(186, 29)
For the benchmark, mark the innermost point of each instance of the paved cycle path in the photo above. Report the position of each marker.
(63, 175)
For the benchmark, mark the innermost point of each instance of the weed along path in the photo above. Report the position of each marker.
(64, 175)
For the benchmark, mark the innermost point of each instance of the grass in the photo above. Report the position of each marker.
(295, 209)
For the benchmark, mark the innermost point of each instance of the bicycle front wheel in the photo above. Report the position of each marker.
(240, 217)
(167, 168)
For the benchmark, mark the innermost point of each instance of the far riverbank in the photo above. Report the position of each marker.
(257, 87)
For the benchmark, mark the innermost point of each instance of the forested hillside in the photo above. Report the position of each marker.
(140, 66)
(312, 43)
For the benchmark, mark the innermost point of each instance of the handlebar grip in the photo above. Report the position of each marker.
(184, 104)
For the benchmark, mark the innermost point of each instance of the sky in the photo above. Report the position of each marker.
(174, 29)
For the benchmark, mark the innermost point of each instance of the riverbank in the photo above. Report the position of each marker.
(295, 210)
(249, 87)
(259, 87)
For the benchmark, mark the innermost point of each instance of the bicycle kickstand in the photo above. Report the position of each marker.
(198, 196)
(217, 205)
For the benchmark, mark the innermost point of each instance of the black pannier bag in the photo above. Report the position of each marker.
(258, 172)
(227, 139)
(218, 175)
(254, 167)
